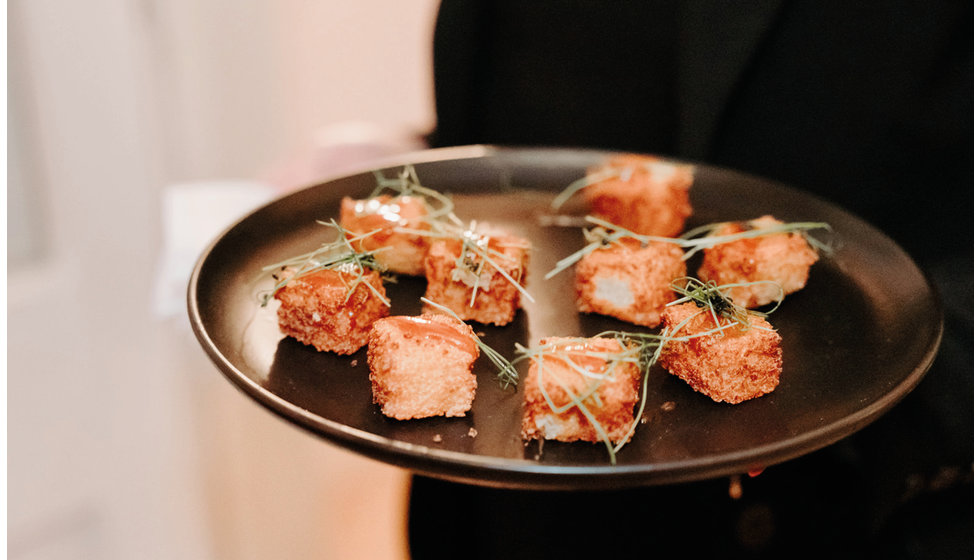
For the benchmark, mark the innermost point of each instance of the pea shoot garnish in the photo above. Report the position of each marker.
(703, 237)
(640, 349)
(339, 255)
(479, 256)
(613, 170)
(605, 234)
(506, 374)
(581, 356)
(406, 183)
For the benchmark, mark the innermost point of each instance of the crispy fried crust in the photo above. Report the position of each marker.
(731, 367)
(618, 392)
(498, 299)
(404, 251)
(648, 196)
(628, 281)
(784, 258)
(317, 310)
(422, 366)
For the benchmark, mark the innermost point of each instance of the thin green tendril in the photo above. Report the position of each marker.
(606, 234)
(506, 374)
(406, 183)
(339, 254)
(445, 224)
(642, 349)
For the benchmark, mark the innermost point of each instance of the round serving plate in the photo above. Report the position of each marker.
(856, 339)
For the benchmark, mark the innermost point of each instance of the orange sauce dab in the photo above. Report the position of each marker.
(581, 354)
(343, 277)
(384, 213)
(425, 328)
(325, 278)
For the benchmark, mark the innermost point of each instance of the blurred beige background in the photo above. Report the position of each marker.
(136, 130)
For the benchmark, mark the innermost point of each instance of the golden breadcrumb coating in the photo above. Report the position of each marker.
(331, 309)
(422, 366)
(647, 196)
(550, 373)
(784, 258)
(404, 251)
(452, 276)
(628, 281)
(732, 367)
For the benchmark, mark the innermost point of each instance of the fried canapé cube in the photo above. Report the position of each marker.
(331, 309)
(396, 219)
(732, 366)
(461, 276)
(422, 366)
(628, 281)
(781, 260)
(646, 195)
(594, 368)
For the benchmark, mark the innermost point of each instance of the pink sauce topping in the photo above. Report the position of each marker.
(438, 333)
(582, 355)
(323, 279)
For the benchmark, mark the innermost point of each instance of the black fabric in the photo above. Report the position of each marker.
(823, 506)
(870, 107)
(555, 73)
(868, 104)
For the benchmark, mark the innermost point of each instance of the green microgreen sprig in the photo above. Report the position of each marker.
(474, 256)
(639, 348)
(700, 238)
(606, 234)
(339, 254)
(588, 398)
(443, 223)
(506, 373)
(610, 171)
(470, 270)
(714, 299)
(406, 183)
(587, 181)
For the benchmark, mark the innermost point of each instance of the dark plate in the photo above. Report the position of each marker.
(857, 339)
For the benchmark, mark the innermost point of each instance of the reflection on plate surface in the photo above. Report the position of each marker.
(856, 340)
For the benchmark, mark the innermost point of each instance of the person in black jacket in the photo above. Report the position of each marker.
(866, 104)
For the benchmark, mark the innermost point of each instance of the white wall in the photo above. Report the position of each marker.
(123, 442)
(186, 90)
(248, 82)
